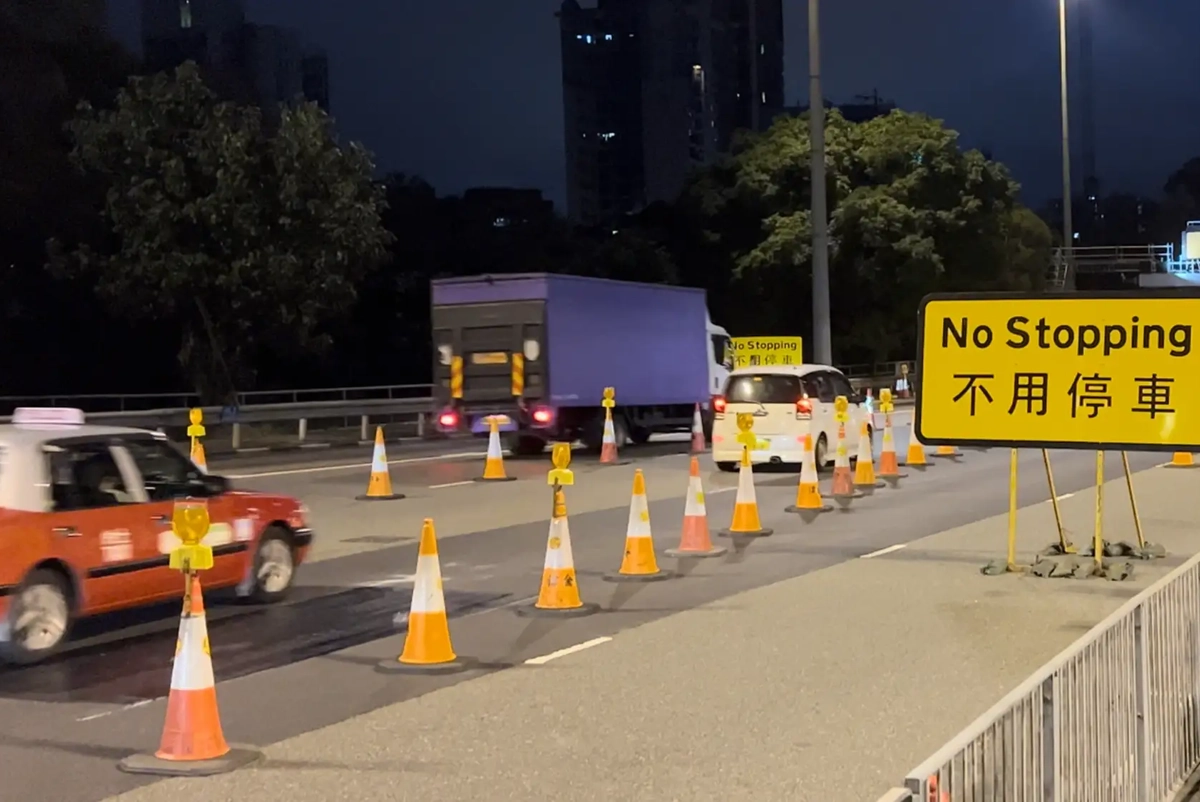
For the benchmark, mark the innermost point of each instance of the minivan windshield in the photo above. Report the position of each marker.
(764, 389)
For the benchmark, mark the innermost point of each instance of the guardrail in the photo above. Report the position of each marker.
(1115, 716)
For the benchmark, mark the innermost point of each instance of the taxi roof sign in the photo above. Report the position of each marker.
(1113, 371)
(47, 416)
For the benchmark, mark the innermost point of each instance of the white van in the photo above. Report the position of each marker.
(787, 402)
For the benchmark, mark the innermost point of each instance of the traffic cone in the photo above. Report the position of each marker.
(1182, 459)
(379, 486)
(864, 464)
(808, 493)
(493, 466)
(559, 594)
(916, 454)
(695, 540)
(889, 468)
(745, 509)
(198, 458)
(427, 648)
(843, 491)
(608, 444)
(192, 741)
(947, 452)
(699, 446)
(639, 563)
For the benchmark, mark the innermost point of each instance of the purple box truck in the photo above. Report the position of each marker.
(654, 343)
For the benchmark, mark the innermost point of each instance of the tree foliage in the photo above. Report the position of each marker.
(248, 237)
(910, 212)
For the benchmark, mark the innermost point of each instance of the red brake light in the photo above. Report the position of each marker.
(804, 406)
(448, 419)
(542, 415)
(718, 403)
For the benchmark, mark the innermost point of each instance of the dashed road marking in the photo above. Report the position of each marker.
(453, 484)
(579, 647)
(883, 551)
(123, 708)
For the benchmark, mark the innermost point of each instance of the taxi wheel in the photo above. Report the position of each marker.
(274, 566)
(38, 619)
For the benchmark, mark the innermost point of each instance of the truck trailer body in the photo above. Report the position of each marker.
(573, 337)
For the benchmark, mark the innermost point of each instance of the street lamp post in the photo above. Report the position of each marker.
(822, 337)
(1068, 226)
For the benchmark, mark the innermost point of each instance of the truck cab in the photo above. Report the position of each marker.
(720, 359)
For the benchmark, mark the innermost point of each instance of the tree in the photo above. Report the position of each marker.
(247, 238)
(910, 212)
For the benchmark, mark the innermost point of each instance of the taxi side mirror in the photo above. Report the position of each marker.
(214, 485)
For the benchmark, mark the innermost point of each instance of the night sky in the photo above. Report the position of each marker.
(467, 92)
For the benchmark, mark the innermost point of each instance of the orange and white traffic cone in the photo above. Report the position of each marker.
(947, 452)
(808, 493)
(889, 468)
(1182, 459)
(916, 454)
(639, 563)
(427, 648)
(379, 486)
(864, 464)
(746, 522)
(493, 466)
(193, 743)
(695, 540)
(559, 594)
(843, 491)
(699, 446)
(198, 458)
(608, 444)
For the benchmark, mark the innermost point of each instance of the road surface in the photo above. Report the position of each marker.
(789, 661)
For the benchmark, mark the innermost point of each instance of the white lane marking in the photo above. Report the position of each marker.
(139, 703)
(359, 465)
(453, 484)
(578, 647)
(1062, 497)
(394, 579)
(721, 490)
(883, 551)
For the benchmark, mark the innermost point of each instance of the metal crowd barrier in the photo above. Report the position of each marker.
(1113, 718)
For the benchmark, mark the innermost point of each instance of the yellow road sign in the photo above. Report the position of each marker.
(1112, 370)
(755, 351)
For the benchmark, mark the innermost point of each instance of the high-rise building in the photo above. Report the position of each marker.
(314, 77)
(672, 81)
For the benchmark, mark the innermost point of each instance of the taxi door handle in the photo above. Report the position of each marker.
(65, 531)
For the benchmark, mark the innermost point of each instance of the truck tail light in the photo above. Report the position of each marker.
(543, 415)
(718, 404)
(448, 419)
(804, 408)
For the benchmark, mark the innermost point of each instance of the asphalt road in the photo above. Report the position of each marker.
(306, 664)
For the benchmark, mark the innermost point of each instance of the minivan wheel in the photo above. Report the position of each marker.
(38, 619)
(820, 452)
(728, 467)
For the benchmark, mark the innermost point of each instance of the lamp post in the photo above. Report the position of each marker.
(1068, 225)
(822, 337)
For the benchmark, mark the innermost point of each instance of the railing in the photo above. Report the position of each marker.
(1113, 718)
(1118, 258)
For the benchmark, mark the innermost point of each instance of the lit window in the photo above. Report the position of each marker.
(608, 135)
(608, 37)
(764, 97)
(185, 13)
(588, 38)
(762, 49)
(500, 222)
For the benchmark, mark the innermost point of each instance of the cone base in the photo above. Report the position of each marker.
(891, 480)
(394, 666)
(617, 576)
(715, 551)
(495, 478)
(235, 758)
(945, 456)
(618, 462)
(815, 510)
(1174, 465)
(869, 489)
(917, 466)
(750, 533)
(392, 497)
(533, 611)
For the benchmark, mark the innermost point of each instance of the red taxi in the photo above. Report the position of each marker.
(85, 527)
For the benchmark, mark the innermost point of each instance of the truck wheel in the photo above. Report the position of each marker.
(639, 436)
(528, 446)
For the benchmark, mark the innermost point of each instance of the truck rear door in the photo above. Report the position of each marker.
(486, 336)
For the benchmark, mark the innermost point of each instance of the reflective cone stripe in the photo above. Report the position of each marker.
(745, 508)
(380, 483)
(192, 730)
(916, 452)
(560, 589)
(808, 493)
(1183, 459)
(608, 445)
(864, 468)
(639, 542)
(698, 444)
(696, 536)
(493, 467)
(428, 639)
(887, 455)
(843, 480)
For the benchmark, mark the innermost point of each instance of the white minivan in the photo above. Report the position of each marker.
(787, 402)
